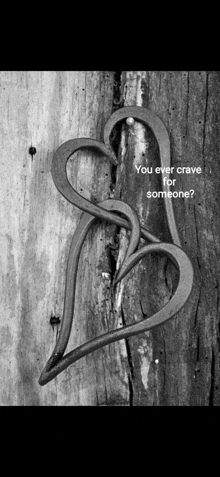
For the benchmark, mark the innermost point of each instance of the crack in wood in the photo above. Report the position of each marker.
(130, 363)
(187, 104)
(205, 113)
(211, 392)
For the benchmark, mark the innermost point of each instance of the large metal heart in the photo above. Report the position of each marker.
(67, 149)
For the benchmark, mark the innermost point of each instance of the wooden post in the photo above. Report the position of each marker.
(177, 364)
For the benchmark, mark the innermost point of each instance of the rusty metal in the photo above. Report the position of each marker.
(106, 211)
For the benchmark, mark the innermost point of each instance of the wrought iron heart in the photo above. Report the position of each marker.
(57, 362)
(106, 211)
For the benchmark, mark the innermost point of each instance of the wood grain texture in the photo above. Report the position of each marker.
(175, 365)
(44, 109)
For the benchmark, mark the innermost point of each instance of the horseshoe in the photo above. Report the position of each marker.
(57, 362)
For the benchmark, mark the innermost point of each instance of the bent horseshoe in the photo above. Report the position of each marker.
(57, 362)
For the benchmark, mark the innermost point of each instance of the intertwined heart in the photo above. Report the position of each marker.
(106, 211)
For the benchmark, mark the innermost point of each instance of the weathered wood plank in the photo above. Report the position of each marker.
(44, 109)
(178, 363)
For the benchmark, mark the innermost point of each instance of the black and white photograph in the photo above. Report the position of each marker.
(109, 238)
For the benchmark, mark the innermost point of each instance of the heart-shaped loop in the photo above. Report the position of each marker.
(57, 362)
(63, 153)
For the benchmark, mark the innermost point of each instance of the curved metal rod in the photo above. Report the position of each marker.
(166, 313)
(64, 152)
(150, 119)
(79, 236)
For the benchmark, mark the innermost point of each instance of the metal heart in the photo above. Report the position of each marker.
(104, 210)
(63, 153)
(57, 362)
